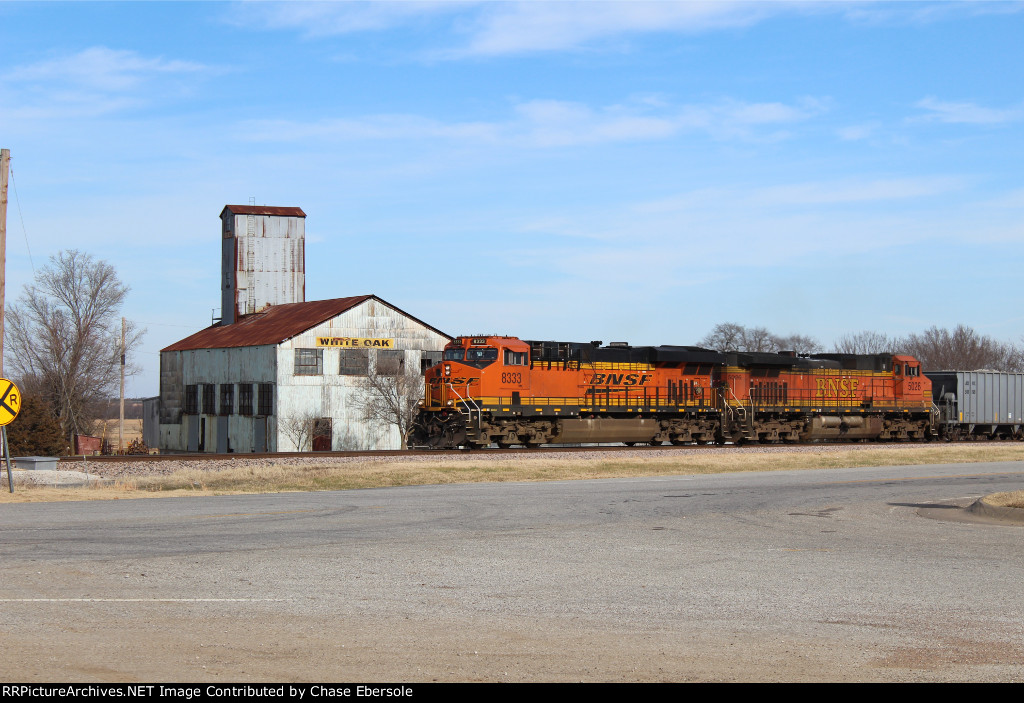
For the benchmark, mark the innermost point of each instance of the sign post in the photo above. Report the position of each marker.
(10, 404)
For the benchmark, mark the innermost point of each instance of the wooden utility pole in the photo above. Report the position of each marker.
(5, 165)
(120, 425)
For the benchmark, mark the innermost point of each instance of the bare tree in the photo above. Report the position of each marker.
(389, 397)
(800, 343)
(64, 339)
(299, 428)
(866, 342)
(961, 348)
(758, 339)
(725, 337)
(1016, 360)
(733, 337)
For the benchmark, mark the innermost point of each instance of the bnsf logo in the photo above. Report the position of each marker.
(837, 388)
(619, 379)
(444, 380)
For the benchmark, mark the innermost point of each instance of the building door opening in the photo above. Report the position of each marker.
(322, 435)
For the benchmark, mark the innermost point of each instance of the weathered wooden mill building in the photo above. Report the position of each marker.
(278, 373)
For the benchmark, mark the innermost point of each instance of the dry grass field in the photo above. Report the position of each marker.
(248, 475)
(107, 429)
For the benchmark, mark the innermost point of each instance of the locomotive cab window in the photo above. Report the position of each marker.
(487, 354)
(455, 354)
(514, 358)
(481, 356)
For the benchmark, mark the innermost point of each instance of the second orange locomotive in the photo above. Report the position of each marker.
(503, 390)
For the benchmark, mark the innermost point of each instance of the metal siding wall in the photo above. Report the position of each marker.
(217, 366)
(151, 422)
(332, 394)
(268, 268)
(228, 281)
(172, 394)
(172, 387)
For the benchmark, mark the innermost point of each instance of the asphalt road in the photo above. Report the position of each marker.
(805, 575)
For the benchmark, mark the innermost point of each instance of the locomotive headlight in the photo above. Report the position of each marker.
(447, 369)
(450, 403)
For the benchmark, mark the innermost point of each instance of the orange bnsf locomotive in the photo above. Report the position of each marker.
(505, 391)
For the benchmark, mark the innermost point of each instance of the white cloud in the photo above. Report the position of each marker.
(501, 28)
(555, 123)
(1013, 199)
(563, 123)
(100, 68)
(967, 113)
(93, 82)
(869, 12)
(384, 127)
(853, 133)
(854, 191)
(803, 195)
(529, 26)
(317, 19)
(506, 28)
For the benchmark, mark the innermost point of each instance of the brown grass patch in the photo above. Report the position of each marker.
(1010, 499)
(291, 475)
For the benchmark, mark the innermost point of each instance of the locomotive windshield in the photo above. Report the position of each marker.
(474, 356)
(488, 354)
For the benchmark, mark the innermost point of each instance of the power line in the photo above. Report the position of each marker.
(21, 216)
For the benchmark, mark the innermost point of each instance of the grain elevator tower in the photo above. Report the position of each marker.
(263, 258)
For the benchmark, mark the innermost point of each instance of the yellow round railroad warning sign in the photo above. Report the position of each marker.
(10, 401)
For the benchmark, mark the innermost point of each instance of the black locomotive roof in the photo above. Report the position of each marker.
(594, 352)
(790, 361)
(621, 354)
(860, 362)
(688, 355)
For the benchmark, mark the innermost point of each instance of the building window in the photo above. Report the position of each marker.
(209, 399)
(390, 362)
(227, 399)
(266, 399)
(245, 399)
(309, 362)
(191, 400)
(354, 362)
(428, 359)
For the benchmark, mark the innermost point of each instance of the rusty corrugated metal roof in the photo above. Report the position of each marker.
(263, 210)
(272, 326)
(277, 324)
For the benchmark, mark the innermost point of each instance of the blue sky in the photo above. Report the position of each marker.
(618, 171)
